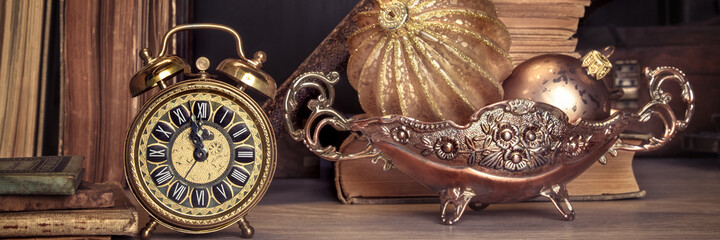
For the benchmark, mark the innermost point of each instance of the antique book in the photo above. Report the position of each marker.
(120, 220)
(65, 238)
(540, 10)
(99, 45)
(50, 175)
(88, 195)
(579, 2)
(569, 23)
(21, 50)
(363, 182)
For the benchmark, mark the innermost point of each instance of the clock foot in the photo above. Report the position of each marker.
(148, 229)
(247, 230)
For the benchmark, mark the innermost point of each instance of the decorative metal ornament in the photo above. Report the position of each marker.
(509, 151)
(200, 153)
(561, 81)
(429, 59)
(597, 64)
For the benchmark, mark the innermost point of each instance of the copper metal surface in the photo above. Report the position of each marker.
(559, 80)
(509, 151)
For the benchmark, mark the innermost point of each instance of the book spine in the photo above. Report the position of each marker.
(69, 223)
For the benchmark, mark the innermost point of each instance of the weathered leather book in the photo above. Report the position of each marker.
(98, 45)
(22, 65)
(363, 182)
(120, 220)
(49, 175)
(88, 195)
(66, 238)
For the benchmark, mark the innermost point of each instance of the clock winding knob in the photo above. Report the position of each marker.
(202, 63)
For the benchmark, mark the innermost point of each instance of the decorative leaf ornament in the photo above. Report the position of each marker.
(431, 60)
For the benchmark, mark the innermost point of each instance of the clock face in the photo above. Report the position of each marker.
(202, 155)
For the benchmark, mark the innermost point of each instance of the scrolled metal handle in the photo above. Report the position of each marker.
(178, 28)
(321, 113)
(658, 106)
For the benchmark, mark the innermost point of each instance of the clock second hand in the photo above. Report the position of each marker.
(190, 170)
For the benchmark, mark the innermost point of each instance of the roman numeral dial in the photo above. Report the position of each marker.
(223, 116)
(178, 191)
(163, 131)
(201, 110)
(236, 163)
(199, 197)
(179, 116)
(222, 192)
(244, 154)
(157, 153)
(239, 132)
(162, 175)
(238, 176)
(207, 186)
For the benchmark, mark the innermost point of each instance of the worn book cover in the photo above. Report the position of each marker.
(66, 238)
(120, 220)
(49, 175)
(88, 195)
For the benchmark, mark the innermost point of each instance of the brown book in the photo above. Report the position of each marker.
(20, 64)
(519, 57)
(48, 175)
(66, 238)
(541, 33)
(518, 41)
(88, 195)
(362, 182)
(120, 220)
(98, 55)
(541, 48)
(549, 2)
(568, 23)
(539, 10)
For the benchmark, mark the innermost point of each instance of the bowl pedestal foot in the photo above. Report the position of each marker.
(558, 194)
(459, 198)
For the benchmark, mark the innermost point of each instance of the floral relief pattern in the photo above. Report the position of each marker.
(446, 148)
(400, 134)
(516, 138)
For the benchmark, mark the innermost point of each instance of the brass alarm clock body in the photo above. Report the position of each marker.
(200, 153)
(200, 195)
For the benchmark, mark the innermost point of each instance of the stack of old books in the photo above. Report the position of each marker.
(44, 197)
(541, 26)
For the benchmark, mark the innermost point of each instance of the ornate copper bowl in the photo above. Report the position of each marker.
(510, 151)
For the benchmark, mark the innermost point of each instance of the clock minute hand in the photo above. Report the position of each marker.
(196, 136)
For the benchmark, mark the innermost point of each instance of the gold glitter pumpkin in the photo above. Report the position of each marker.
(429, 59)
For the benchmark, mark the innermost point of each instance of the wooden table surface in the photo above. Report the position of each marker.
(682, 202)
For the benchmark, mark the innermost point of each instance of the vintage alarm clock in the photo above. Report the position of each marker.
(200, 153)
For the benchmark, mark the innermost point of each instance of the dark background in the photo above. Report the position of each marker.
(289, 30)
